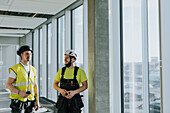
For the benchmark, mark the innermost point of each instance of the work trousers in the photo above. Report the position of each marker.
(21, 107)
(68, 107)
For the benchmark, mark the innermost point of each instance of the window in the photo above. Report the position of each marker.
(78, 37)
(8, 58)
(132, 56)
(32, 61)
(154, 57)
(40, 65)
(135, 55)
(50, 76)
(61, 41)
(77, 34)
(54, 37)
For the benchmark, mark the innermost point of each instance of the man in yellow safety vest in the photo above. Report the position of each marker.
(22, 83)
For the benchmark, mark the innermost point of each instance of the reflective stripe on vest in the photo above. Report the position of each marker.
(23, 83)
(32, 91)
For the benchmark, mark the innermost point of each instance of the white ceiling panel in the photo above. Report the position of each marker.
(5, 8)
(1, 18)
(40, 6)
(8, 35)
(13, 31)
(52, 1)
(4, 4)
(21, 22)
(9, 22)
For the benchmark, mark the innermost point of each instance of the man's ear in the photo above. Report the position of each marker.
(21, 55)
(73, 60)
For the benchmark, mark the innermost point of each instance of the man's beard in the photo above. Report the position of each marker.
(28, 59)
(69, 64)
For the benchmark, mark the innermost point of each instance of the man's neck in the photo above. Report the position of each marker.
(71, 67)
(25, 63)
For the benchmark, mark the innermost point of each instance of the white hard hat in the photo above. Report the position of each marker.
(71, 53)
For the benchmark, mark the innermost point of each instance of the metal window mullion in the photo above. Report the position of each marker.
(160, 53)
(121, 61)
(47, 70)
(57, 41)
(33, 47)
(57, 50)
(145, 55)
(47, 26)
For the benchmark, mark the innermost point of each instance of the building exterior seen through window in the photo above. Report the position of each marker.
(154, 57)
(133, 73)
(132, 56)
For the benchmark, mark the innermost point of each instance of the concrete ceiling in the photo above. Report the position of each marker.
(18, 17)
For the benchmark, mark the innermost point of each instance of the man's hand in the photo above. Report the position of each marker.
(63, 92)
(36, 106)
(36, 97)
(71, 94)
(23, 94)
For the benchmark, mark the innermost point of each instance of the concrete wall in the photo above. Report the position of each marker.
(22, 41)
(29, 39)
(98, 40)
(9, 40)
(102, 56)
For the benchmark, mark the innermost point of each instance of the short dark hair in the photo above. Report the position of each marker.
(24, 48)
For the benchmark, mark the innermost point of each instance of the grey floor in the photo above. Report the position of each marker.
(5, 102)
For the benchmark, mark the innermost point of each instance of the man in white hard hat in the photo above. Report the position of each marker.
(72, 81)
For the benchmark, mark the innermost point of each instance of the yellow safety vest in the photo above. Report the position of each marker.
(21, 82)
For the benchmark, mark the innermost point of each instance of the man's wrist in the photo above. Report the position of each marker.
(60, 90)
(18, 92)
(35, 95)
(76, 92)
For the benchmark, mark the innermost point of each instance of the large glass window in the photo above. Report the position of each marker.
(50, 76)
(8, 58)
(61, 41)
(154, 56)
(132, 56)
(40, 65)
(77, 34)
